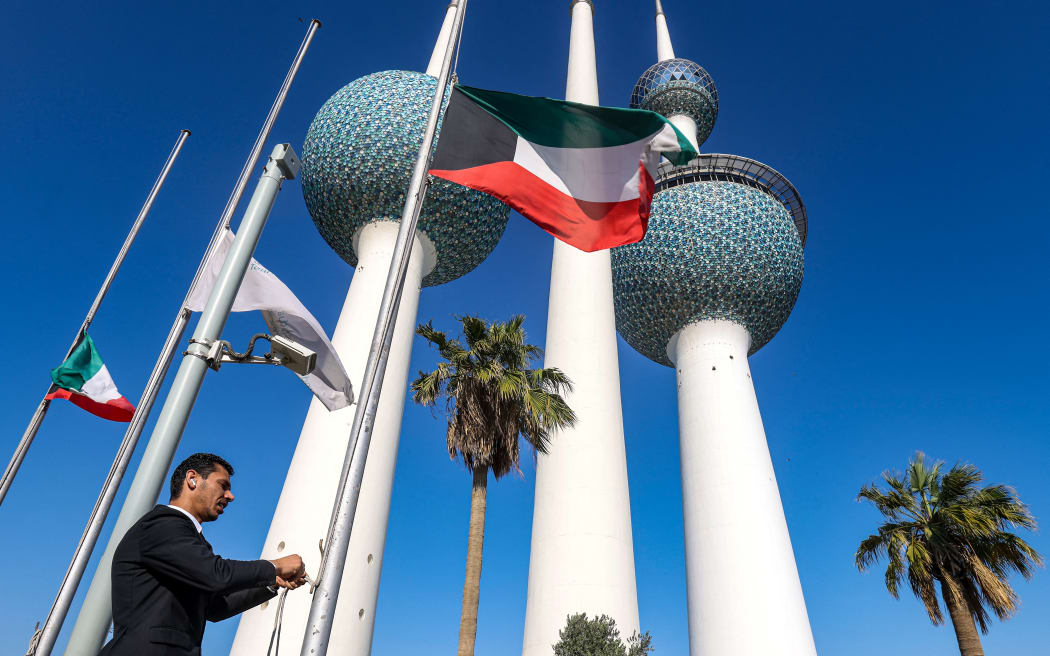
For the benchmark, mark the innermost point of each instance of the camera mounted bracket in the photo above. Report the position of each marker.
(283, 351)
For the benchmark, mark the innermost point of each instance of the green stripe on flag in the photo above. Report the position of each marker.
(686, 153)
(563, 124)
(81, 365)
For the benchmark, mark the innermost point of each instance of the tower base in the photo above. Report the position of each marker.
(743, 589)
(305, 506)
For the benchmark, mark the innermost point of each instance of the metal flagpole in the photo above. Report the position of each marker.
(322, 607)
(41, 410)
(88, 635)
(283, 165)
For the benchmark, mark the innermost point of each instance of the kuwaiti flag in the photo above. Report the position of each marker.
(84, 380)
(582, 173)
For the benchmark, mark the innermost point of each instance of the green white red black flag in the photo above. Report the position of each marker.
(583, 173)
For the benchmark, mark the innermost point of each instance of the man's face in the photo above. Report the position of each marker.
(210, 495)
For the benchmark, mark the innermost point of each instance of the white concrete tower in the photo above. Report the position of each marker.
(582, 557)
(714, 279)
(355, 195)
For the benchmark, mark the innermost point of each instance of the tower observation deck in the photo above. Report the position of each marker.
(741, 170)
(725, 241)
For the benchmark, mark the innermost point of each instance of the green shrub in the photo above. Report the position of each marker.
(598, 637)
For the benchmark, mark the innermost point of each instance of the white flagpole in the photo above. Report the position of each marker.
(89, 633)
(322, 607)
(41, 410)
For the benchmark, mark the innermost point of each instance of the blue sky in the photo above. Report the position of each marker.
(915, 132)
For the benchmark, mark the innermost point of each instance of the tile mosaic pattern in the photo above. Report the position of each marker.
(714, 250)
(679, 86)
(357, 160)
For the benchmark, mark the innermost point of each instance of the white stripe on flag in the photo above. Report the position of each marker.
(666, 140)
(100, 387)
(602, 175)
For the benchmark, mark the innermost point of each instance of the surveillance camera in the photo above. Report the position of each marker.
(295, 356)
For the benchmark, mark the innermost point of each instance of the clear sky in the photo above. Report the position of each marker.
(915, 132)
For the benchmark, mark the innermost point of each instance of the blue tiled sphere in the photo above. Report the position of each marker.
(679, 86)
(357, 161)
(714, 250)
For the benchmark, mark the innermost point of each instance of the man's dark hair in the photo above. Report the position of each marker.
(202, 463)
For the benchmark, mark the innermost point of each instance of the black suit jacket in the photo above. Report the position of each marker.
(167, 581)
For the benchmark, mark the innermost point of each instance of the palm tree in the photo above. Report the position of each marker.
(491, 398)
(945, 531)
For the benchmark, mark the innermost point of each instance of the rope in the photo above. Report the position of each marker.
(459, 42)
(35, 640)
(275, 636)
(278, 620)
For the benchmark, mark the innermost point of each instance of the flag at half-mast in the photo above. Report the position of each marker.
(84, 380)
(582, 173)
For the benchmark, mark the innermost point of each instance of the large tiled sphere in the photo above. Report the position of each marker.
(714, 250)
(679, 86)
(357, 160)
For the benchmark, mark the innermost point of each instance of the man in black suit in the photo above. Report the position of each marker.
(166, 579)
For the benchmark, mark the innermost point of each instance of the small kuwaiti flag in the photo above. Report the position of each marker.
(84, 380)
(582, 173)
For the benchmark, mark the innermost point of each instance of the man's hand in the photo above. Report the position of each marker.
(291, 585)
(291, 573)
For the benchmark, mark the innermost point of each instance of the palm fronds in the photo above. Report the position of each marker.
(492, 396)
(945, 529)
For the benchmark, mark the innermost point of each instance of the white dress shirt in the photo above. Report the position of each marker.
(187, 513)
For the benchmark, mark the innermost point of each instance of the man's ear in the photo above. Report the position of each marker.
(191, 479)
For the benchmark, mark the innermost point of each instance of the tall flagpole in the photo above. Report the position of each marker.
(330, 575)
(88, 634)
(41, 410)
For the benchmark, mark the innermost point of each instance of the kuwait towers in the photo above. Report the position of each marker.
(582, 557)
(357, 160)
(713, 281)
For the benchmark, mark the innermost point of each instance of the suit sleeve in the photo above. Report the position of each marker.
(174, 549)
(225, 606)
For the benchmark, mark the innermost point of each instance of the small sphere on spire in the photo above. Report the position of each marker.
(679, 87)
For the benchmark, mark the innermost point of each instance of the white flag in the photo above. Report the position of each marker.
(286, 316)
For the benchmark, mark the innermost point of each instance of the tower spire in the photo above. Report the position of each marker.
(434, 67)
(582, 556)
(581, 83)
(664, 50)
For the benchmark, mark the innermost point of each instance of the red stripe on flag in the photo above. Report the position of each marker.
(587, 225)
(115, 410)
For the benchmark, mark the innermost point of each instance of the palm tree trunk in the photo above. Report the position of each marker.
(468, 622)
(962, 620)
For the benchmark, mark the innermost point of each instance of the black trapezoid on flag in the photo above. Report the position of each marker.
(471, 137)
